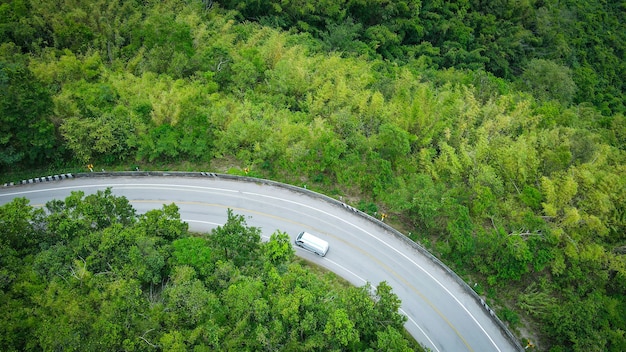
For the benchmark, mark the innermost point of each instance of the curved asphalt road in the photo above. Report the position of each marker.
(441, 314)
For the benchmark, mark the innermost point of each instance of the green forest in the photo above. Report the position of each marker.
(491, 132)
(89, 274)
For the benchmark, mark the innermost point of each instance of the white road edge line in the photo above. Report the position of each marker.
(162, 186)
(400, 309)
(392, 248)
(345, 269)
(423, 332)
(173, 187)
(203, 222)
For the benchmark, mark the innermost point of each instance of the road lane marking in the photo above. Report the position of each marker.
(329, 260)
(400, 309)
(381, 264)
(395, 250)
(203, 222)
(364, 281)
(118, 185)
(179, 187)
(423, 332)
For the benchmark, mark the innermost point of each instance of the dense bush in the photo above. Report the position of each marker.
(90, 274)
(492, 130)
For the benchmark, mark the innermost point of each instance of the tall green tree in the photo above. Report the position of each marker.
(236, 241)
(27, 134)
(547, 80)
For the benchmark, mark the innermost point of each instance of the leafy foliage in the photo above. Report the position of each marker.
(492, 130)
(27, 133)
(141, 282)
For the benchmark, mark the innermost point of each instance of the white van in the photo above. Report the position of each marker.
(312, 243)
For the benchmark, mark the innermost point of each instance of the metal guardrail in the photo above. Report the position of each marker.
(308, 192)
(40, 179)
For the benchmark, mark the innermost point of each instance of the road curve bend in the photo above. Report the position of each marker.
(444, 314)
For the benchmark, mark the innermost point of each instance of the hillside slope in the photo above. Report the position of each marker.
(518, 182)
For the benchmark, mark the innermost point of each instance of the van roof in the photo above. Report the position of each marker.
(315, 240)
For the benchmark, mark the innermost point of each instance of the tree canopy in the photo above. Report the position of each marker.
(121, 281)
(491, 132)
